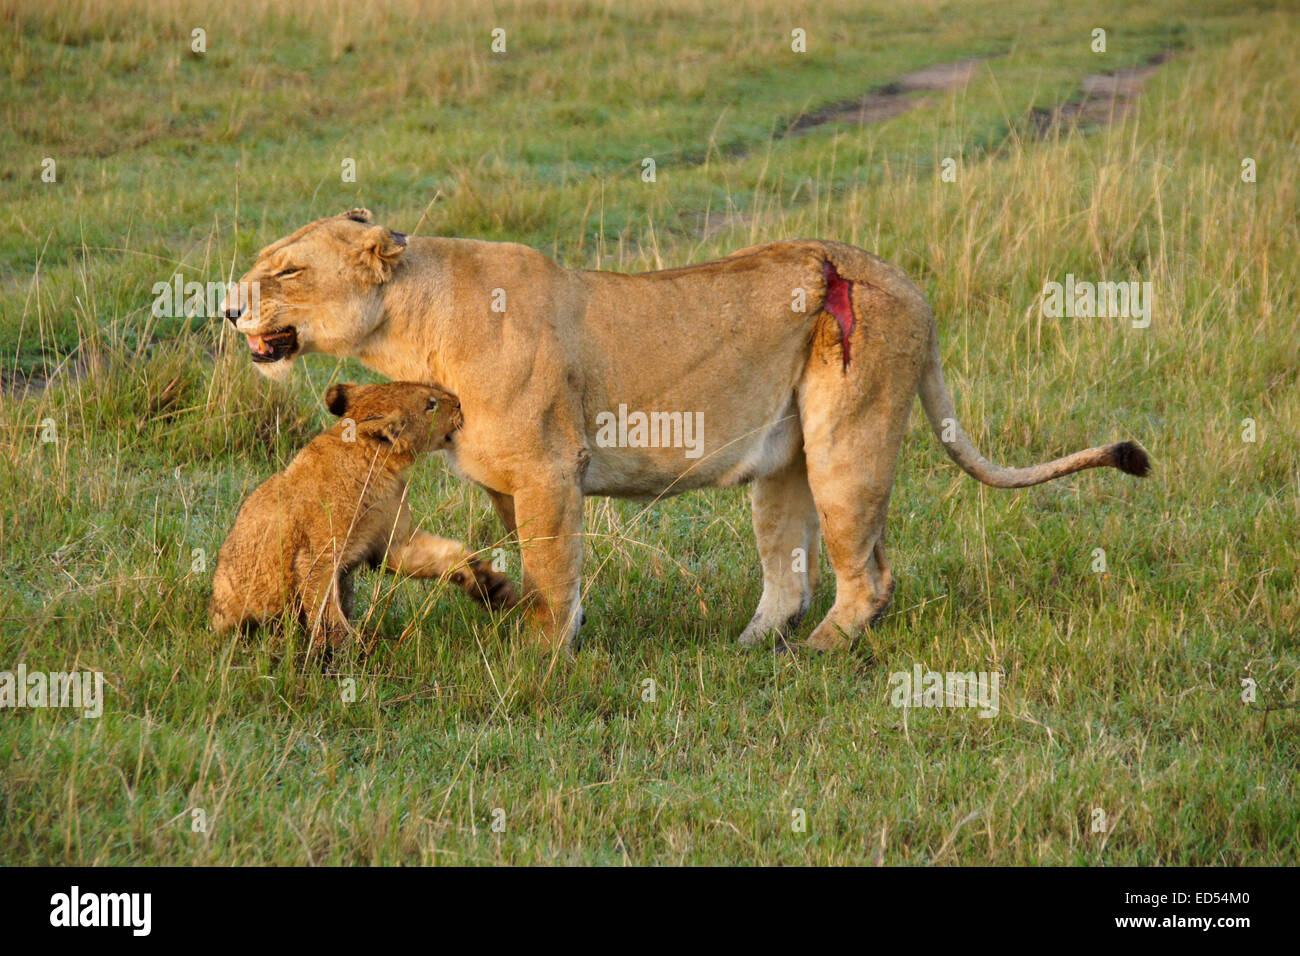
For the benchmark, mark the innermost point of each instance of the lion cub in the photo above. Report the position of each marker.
(342, 503)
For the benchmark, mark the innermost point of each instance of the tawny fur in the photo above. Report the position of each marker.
(340, 504)
(810, 404)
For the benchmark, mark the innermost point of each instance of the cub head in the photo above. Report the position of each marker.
(317, 290)
(406, 417)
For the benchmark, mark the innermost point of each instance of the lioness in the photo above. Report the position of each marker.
(341, 503)
(802, 357)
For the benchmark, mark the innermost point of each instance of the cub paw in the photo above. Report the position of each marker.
(490, 587)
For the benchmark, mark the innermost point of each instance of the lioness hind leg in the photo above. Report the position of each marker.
(854, 418)
(788, 536)
(853, 508)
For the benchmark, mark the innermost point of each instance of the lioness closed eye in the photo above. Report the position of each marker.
(800, 361)
(341, 503)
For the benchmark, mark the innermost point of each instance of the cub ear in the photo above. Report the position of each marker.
(358, 215)
(336, 398)
(380, 249)
(387, 429)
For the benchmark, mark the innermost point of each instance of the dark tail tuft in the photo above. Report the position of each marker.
(1130, 458)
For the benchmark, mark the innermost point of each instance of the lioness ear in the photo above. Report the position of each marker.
(358, 215)
(380, 250)
(336, 398)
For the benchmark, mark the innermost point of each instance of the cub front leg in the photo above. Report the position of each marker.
(425, 555)
(326, 597)
(549, 517)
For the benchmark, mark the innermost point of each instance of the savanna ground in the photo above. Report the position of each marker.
(1120, 691)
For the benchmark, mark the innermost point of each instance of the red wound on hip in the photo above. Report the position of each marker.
(839, 303)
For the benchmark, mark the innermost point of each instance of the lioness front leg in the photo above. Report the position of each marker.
(425, 555)
(550, 535)
(505, 509)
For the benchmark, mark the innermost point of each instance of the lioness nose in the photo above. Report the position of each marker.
(233, 312)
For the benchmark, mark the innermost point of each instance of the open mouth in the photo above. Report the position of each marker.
(274, 346)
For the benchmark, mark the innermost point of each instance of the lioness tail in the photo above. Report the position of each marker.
(1127, 456)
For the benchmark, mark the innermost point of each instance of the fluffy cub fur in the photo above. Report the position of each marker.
(342, 503)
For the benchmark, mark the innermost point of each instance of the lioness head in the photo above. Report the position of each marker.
(316, 290)
(409, 417)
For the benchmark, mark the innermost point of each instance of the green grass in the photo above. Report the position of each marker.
(1120, 692)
